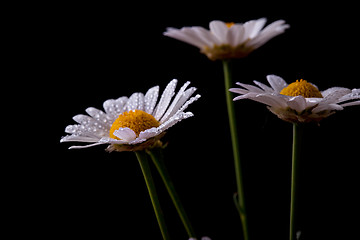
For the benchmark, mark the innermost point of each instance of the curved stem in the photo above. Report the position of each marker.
(144, 164)
(156, 156)
(235, 146)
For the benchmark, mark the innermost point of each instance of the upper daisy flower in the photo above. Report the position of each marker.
(228, 40)
(299, 101)
(134, 123)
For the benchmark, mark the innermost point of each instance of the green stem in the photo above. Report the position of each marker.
(235, 147)
(156, 156)
(297, 135)
(144, 164)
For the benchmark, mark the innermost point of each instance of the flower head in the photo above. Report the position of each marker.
(134, 123)
(229, 40)
(299, 101)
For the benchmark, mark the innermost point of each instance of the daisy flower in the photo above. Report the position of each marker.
(299, 101)
(134, 123)
(228, 40)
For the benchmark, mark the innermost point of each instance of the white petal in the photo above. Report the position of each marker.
(276, 82)
(85, 131)
(250, 87)
(247, 95)
(178, 101)
(277, 26)
(108, 140)
(219, 29)
(267, 33)
(149, 133)
(165, 99)
(190, 101)
(350, 104)
(333, 94)
(271, 100)
(297, 103)
(173, 120)
(101, 117)
(150, 99)
(206, 37)
(74, 138)
(90, 125)
(136, 101)
(236, 35)
(83, 119)
(253, 27)
(181, 36)
(265, 98)
(238, 90)
(264, 87)
(137, 141)
(311, 102)
(327, 107)
(115, 107)
(354, 94)
(187, 35)
(86, 146)
(125, 134)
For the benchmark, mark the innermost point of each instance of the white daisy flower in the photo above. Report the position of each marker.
(134, 123)
(299, 101)
(228, 40)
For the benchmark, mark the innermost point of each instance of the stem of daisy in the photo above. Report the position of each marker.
(157, 158)
(297, 135)
(144, 164)
(240, 203)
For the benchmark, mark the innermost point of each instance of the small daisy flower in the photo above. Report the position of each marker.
(134, 123)
(228, 40)
(299, 101)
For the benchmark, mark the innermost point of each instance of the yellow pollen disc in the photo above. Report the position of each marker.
(136, 120)
(229, 24)
(301, 88)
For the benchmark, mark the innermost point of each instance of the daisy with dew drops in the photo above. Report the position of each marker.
(134, 123)
(299, 102)
(225, 41)
(137, 123)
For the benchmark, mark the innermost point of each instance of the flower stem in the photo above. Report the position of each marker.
(235, 146)
(144, 164)
(157, 158)
(297, 135)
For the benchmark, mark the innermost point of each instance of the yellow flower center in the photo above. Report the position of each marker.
(229, 24)
(301, 88)
(136, 120)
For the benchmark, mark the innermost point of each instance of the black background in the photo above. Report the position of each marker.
(73, 56)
